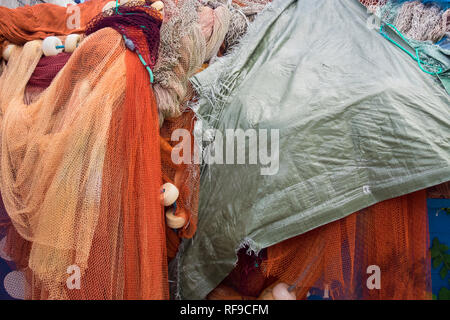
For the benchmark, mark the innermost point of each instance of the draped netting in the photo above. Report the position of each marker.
(52, 153)
(80, 173)
(28, 23)
(334, 259)
(187, 41)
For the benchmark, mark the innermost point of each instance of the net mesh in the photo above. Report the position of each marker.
(111, 171)
(51, 167)
(185, 176)
(44, 73)
(133, 22)
(392, 235)
(81, 171)
(415, 19)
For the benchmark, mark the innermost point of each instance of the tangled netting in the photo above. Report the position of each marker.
(121, 223)
(415, 19)
(421, 22)
(439, 191)
(337, 260)
(81, 173)
(193, 33)
(184, 47)
(242, 13)
(133, 21)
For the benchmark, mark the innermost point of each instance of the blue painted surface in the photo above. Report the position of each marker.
(440, 228)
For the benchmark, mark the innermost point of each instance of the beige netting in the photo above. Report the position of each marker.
(185, 46)
(53, 152)
(420, 22)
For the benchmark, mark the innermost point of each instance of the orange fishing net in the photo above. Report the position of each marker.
(144, 237)
(42, 20)
(81, 172)
(334, 258)
(185, 176)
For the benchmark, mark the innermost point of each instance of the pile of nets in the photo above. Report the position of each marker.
(358, 123)
(87, 143)
(39, 21)
(417, 20)
(75, 166)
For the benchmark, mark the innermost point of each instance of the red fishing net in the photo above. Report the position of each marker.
(92, 190)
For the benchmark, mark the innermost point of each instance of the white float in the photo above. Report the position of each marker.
(71, 42)
(170, 194)
(175, 221)
(49, 46)
(281, 292)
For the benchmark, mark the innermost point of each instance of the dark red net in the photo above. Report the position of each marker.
(47, 69)
(133, 21)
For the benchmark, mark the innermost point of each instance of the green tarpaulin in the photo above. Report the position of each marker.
(358, 123)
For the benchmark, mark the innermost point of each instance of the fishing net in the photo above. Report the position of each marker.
(39, 21)
(440, 191)
(44, 209)
(45, 71)
(417, 20)
(186, 176)
(243, 12)
(334, 259)
(185, 45)
(81, 172)
(133, 22)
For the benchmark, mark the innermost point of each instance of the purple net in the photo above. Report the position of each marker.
(138, 23)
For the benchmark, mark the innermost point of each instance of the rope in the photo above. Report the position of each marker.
(416, 57)
(146, 66)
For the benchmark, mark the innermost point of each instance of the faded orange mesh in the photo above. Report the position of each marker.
(80, 174)
(392, 234)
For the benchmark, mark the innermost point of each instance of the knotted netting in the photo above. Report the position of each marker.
(417, 20)
(81, 172)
